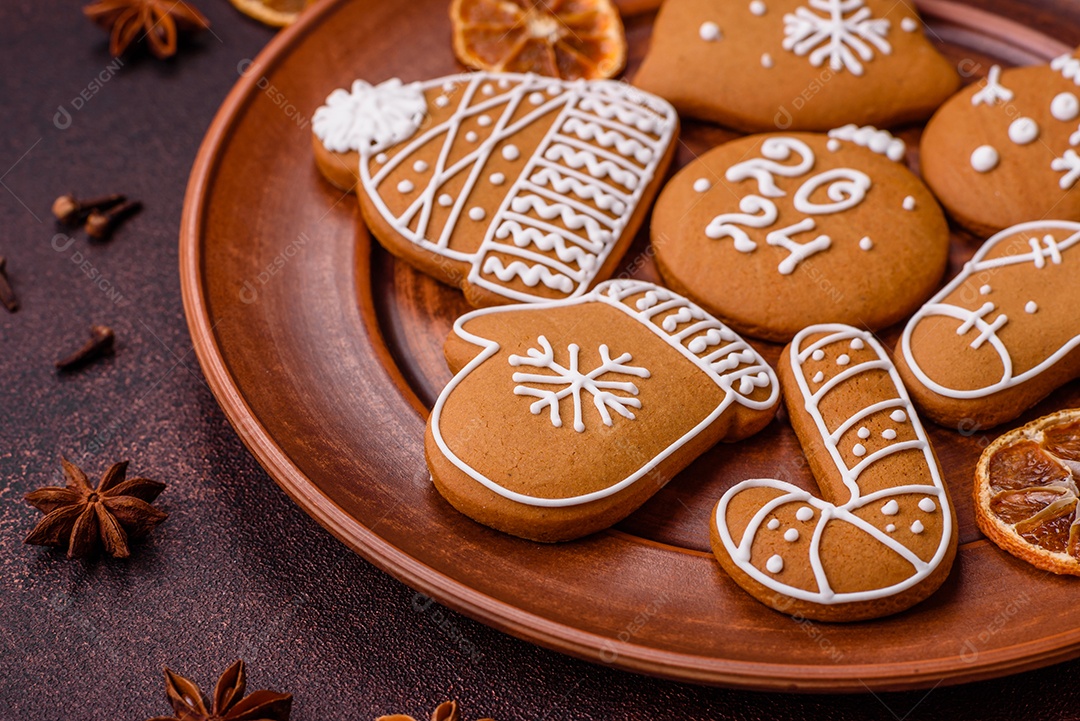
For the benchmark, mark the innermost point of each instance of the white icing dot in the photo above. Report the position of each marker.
(805, 513)
(497, 178)
(709, 32)
(1031, 306)
(775, 564)
(984, 159)
(483, 121)
(757, 8)
(701, 185)
(536, 98)
(1023, 131)
(857, 344)
(843, 360)
(818, 377)
(766, 60)
(553, 89)
(864, 433)
(917, 527)
(859, 450)
(420, 166)
(381, 158)
(448, 87)
(985, 290)
(471, 136)
(504, 83)
(487, 89)
(888, 434)
(890, 527)
(928, 505)
(442, 101)
(405, 187)
(891, 508)
(791, 535)
(833, 145)
(909, 25)
(898, 415)
(477, 213)
(511, 152)
(445, 200)
(773, 524)
(866, 243)
(909, 203)
(818, 354)
(1065, 107)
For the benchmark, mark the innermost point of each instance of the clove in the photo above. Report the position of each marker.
(101, 223)
(101, 341)
(69, 211)
(7, 293)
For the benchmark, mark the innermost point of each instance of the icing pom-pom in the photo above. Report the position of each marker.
(369, 116)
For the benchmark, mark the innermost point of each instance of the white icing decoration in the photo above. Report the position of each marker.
(1023, 131)
(805, 513)
(702, 185)
(617, 294)
(1069, 163)
(890, 527)
(819, 376)
(709, 31)
(536, 98)
(791, 535)
(405, 186)
(917, 527)
(471, 137)
(927, 505)
(891, 508)
(909, 25)
(477, 213)
(843, 36)
(764, 169)
(881, 142)
(627, 146)
(856, 344)
(773, 524)
(484, 121)
(1031, 307)
(775, 564)
(864, 433)
(821, 590)
(1065, 107)
(992, 91)
(985, 290)
(757, 7)
(381, 158)
(818, 354)
(367, 117)
(511, 152)
(497, 178)
(833, 145)
(1068, 66)
(859, 450)
(553, 90)
(866, 243)
(442, 101)
(984, 158)
(504, 83)
(888, 434)
(843, 360)
(420, 166)
(449, 87)
(909, 203)
(898, 416)
(766, 60)
(1044, 251)
(445, 200)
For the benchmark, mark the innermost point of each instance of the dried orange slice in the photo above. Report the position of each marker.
(277, 13)
(1026, 492)
(567, 39)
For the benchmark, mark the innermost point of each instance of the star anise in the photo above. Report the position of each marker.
(158, 21)
(229, 703)
(78, 517)
(446, 711)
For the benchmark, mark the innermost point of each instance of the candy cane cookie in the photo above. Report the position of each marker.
(881, 535)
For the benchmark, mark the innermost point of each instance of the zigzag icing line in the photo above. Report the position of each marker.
(523, 237)
(572, 220)
(627, 147)
(564, 185)
(530, 275)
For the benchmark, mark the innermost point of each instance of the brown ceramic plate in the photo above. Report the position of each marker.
(325, 353)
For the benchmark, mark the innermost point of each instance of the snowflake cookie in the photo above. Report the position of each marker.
(563, 417)
(1004, 149)
(515, 188)
(795, 64)
(880, 535)
(771, 233)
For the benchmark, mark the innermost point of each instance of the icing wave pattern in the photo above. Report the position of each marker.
(842, 32)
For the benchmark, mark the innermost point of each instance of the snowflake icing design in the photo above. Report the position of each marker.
(840, 37)
(574, 382)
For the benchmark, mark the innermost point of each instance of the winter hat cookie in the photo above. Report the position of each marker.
(564, 417)
(771, 233)
(795, 64)
(515, 188)
(1001, 335)
(1004, 150)
(881, 536)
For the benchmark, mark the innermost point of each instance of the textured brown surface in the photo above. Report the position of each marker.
(238, 569)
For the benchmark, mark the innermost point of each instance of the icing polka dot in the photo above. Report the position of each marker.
(843, 360)
(859, 450)
(477, 213)
(757, 8)
(805, 513)
(773, 524)
(511, 152)
(866, 243)
(984, 159)
(898, 415)
(888, 434)
(818, 377)
(917, 527)
(890, 527)
(405, 187)
(442, 101)
(775, 564)
(791, 535)
(701, 185)
(553, 89)
(483, 121)
(497, 178)
(833, 145)
(504, 83)
(709, 32)
(487, 89)
(471, 136)
(380, 158)
(766, 60)
(927, 505)
(909, 25)
(536, 98)
(985, 290)
(818, 354)
(420, 166)
(1023, 131)
(891, 508)
(445, 200)
(864, 433)
(1031, 307)
(909, 203)
(448, 87)
(1065, 107)
(857, 344)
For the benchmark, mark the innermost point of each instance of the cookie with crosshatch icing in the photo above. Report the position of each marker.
(515, 188)
(1003, 334)
(880, 535)
(1003, 150)
(795, 64)
(771, 233)
(564, 417)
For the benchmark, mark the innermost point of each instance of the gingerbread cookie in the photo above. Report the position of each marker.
(882, 535)
(795, 64)
(564, 417)
(515, 188)
(771, 233)
(1004, 150)
(1001, 335)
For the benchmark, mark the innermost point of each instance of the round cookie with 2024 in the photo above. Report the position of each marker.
(772, 233)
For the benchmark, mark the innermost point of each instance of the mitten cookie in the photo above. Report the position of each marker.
(771, 233)
(564, 417)
(1003, 151)
(1001, 335)
(511, 187)
(882, 536)
(795, 64)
